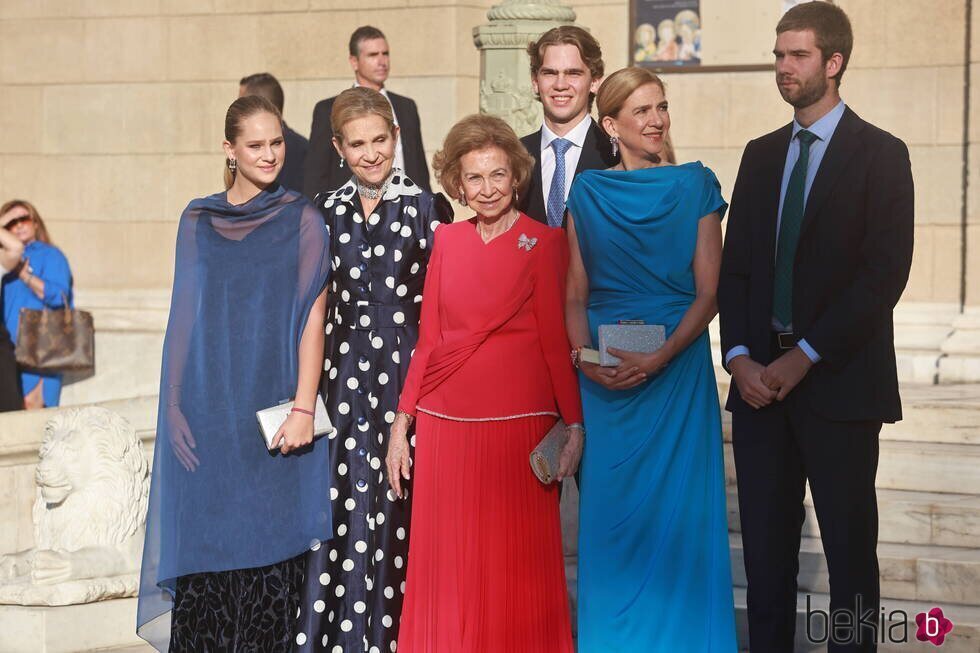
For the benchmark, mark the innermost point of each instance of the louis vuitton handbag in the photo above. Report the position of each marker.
(55, 340)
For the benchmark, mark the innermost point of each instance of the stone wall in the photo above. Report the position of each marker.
(111, 113)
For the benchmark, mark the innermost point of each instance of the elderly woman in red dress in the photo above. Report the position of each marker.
(490, 375)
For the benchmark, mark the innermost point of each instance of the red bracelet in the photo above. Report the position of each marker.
(302, 410)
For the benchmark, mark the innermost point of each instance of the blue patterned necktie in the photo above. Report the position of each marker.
(556, 196)
(789, 232)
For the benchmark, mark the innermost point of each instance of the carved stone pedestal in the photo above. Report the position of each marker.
(68, 629)
(505, 79)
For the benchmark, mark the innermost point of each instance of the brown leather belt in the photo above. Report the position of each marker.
(784, 341)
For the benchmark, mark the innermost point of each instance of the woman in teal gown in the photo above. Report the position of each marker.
(654, 569)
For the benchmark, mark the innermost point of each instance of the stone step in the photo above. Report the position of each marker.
(905, 517)
(964, 638)
(908, 571)
(931, 413)
(917, 466)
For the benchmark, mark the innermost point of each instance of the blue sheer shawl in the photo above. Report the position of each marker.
(246, 278)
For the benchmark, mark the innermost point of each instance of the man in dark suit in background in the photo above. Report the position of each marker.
(817, 254)
(369, 59)
(566, 69)
(264, 84)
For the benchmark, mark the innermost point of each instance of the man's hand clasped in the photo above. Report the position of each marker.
(760, 385)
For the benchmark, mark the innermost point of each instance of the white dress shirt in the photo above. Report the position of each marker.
(399, 152)
(577, 137)
(823, 129)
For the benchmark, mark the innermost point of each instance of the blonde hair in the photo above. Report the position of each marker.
(40, 231)
(356, 103)
(242, 108)
(475, 132)
(617, 88)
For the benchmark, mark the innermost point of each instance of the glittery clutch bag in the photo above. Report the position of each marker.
(544, 457)
(642, 338)
(270, 419)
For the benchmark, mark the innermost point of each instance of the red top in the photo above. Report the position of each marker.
(492, 341)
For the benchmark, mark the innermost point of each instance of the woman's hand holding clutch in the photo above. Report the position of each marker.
(623, 377)
(397, 460)
(638, 365)
(296, 432)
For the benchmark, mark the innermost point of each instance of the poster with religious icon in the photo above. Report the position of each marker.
(666, 33)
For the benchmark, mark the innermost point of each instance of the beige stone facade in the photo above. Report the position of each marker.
(111, 115)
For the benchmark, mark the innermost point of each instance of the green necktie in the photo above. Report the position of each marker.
(789, 232)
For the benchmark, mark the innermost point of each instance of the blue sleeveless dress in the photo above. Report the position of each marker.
(654, 569)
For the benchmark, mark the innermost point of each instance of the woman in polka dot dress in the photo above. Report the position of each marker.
(381, 227)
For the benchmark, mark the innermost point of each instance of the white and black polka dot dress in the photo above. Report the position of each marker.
(354, 584)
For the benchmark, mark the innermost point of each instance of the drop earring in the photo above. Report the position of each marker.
(341, 162)
(615, 145)
(232, 165)
(462, 197)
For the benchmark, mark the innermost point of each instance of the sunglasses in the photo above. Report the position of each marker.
(16, 221)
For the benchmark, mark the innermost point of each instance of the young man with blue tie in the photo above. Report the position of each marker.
(566, 70)
(817, 254)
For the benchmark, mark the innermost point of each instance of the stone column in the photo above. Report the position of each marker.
(961, 351)
(505, 79)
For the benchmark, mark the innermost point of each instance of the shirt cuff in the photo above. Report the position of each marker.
(738, 350)
(809, 351)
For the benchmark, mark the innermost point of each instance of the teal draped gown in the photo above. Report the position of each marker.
(654, 568)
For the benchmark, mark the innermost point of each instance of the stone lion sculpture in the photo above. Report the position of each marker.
(89, 514)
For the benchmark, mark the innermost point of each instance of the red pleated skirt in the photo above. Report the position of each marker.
(485, 566)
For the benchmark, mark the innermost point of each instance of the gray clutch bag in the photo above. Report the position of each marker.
(544, 457)
(270, 419)
(643, 338)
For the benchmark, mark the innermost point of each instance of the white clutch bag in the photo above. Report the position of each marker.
(643, 338)
(270, 419)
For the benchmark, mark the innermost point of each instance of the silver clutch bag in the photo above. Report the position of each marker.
(270, 419)
(643, 338)
(544, 457)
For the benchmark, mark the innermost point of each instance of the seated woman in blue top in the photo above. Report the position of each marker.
(42, 280)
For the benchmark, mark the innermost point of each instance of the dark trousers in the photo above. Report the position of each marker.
(11, 397)
(777, 449)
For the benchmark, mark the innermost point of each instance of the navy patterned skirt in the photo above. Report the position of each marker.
(240, 611)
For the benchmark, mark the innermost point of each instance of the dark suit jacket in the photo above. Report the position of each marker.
(596, 154)
(852, 264)
(323, 167)
(291, 175)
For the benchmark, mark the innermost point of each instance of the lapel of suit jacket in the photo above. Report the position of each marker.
(771, 175)
(401, 113)
(535, 200)
(843, 144)
(590, 158)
